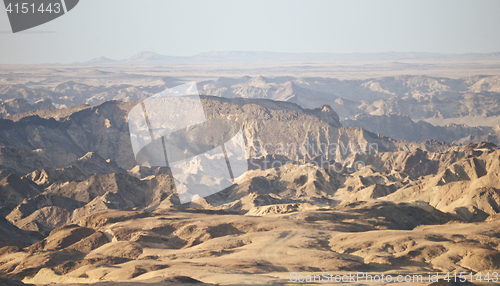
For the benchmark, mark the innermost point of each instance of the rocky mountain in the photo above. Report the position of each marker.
(474, 99)
(267, 126)
(322, 194)
(462, 110)
(420, 97)
(466, 187)
(100, 60)
(13, 190)
(81, 169)
(22, 98)
(402, 127)
(342, 220)
(21, 105)
(12, 239)
(367, 103)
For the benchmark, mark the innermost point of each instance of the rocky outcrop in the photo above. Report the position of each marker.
(36, 204)
(62, 237)
(402, 127)
(466, 187)
(10, 235)
(21, 105)
(81, 169)
(13, 190)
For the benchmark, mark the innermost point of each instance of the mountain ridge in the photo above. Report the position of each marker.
(254, 56)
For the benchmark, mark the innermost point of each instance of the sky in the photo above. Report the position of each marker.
(118, 29)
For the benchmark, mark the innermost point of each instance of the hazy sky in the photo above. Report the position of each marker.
(119, 29)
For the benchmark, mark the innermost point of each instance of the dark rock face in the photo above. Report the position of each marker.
(13, 190)
(91, 242)
(21, 105)
(327, 114)
(10, 235)
(8, 282)
(62, 237)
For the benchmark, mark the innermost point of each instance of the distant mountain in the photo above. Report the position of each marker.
(236, 56)
(402, 127)
(281, 89)
(21, 105)
(263, 56)
(99, 60)
(139, 58)
(150, 57)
